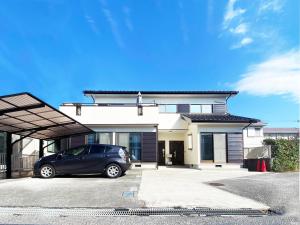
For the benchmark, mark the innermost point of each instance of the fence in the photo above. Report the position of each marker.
(2, 163)
(22, 162)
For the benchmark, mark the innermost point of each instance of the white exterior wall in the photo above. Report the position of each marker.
(171, 121)
(251, 140)
(112, 115)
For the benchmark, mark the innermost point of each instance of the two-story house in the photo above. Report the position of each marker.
(164, 127)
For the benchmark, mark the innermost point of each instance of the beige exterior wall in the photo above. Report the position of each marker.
(192, 156)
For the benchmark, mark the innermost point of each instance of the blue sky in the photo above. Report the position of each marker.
(57, 48)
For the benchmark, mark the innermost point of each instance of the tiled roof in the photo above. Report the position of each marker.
(217, 118)
(86, 92)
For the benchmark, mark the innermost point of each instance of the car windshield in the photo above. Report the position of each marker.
(75, 151)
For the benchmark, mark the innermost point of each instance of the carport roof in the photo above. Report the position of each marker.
(26, 115)
(219, 118)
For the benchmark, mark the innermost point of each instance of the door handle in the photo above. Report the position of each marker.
(174, 154)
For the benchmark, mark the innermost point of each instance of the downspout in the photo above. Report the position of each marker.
(243, 142)
(226, 102)
(93, 98)
(228, 98)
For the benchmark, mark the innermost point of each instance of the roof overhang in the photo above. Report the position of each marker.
(26, 115)
(217, 118)
(159, 93)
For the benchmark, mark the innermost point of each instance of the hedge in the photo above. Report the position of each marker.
(285, 154)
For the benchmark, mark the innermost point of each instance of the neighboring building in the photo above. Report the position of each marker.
(253, 135)
(281, 133)
(164, 127)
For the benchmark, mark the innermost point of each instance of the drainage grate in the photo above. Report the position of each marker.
(216, 184)
(131, 211)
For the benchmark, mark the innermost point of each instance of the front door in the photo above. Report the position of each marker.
(161, 153)
(177, 152)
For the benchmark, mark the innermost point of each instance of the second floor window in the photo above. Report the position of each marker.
(170, 108)
(201, 108)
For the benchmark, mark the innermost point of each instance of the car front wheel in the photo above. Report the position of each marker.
(113, 170)
(47, 171)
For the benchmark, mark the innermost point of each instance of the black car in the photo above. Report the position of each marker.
(86, 159)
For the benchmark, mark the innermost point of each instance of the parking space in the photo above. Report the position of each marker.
(72, 191)
(165, 187)
(168, 187)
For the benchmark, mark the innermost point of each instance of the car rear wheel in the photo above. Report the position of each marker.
(47, 171)
(113, 170)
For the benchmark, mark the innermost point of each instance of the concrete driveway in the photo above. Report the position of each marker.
(165, 187)
(72, 191)
(168, 187)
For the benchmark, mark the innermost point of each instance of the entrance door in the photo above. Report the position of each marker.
(207, 153)
(220, 148)
(161, 153)
(177, 151)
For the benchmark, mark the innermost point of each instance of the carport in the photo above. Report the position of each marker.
(27, 116)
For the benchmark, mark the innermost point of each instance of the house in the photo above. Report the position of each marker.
(192, 128)
(281, 133)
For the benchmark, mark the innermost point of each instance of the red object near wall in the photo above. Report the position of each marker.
(258, 166)
(263, 166)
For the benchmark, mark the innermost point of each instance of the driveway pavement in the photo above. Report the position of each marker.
(72, 191)
(275, 190)
(185, 187)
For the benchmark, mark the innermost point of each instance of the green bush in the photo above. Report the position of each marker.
(285, 154)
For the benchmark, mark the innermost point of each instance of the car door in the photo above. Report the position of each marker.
(71, 160)
(94, 161)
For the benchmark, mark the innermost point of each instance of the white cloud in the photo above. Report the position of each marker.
(240, 29)
(92, 24)
(279, 75)
(182, 24)
(272, 5)
(127, 13)
(245, 41)
(113, 24)
(231, 13)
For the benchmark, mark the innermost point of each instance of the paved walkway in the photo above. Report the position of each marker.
(183, 187)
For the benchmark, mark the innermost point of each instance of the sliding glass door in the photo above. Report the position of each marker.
(207, 147)
(133, 143)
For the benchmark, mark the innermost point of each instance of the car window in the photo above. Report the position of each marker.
(75, 151)
(96, 149)
(109, 149)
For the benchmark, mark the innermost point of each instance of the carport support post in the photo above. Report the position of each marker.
(8, 155)
(41, 149)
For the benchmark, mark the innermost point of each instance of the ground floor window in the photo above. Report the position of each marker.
(133, 143)
(100, 138)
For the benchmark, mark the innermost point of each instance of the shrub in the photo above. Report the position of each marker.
(285, 154)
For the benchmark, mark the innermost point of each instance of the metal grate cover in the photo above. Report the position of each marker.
(130, 211)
